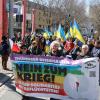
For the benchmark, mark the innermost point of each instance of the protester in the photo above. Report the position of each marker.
(55, 49)
(69, 45)
(24, 50)
(35, 49)
(5, 48)
(27, 40)
(47, 46)
(14, 48)
(75, 51)
(50, 39)
(90, 44)
(84, 52)
(52, 46)
(43, 43)
(96, 50)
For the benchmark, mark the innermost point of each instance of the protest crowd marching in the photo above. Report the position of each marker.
(71, 45)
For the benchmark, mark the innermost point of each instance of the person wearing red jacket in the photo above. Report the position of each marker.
(69, 45)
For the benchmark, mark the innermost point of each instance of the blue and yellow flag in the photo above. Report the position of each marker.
(77, 33)
(71, 29)
(68, 35)
(46, 34)
(60, 33)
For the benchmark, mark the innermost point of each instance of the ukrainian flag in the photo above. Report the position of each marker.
(60, 33)
(47, 34)
(68, 35)
(77, 33)
(71, 29)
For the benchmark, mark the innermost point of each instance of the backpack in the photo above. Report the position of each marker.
(5, 48)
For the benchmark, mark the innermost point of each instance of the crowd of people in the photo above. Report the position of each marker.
(50, 46)
(36, 44)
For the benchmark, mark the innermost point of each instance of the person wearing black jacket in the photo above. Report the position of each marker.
(90, 44)
(75, 51)
(35, 49)
(5, 51)
(24, 50)
(96, 53)
(84, 52)
(96, 50)
(56, 49)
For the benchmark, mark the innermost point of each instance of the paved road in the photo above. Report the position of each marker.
(8, 92)
(5, 75)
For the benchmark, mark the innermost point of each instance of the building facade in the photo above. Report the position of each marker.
(44, 17)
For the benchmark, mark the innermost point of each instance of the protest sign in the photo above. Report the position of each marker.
(61, 78)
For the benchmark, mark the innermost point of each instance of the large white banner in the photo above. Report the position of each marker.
(60, 78)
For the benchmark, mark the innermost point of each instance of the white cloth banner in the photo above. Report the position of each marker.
(59, 78)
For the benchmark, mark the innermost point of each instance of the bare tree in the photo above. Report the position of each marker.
(75, 8)
(94, 2)
(41, 2)
(95, 14)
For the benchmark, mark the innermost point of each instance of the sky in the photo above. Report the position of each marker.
(87, 2)
(87, 6)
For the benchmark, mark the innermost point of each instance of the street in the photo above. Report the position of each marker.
(8, 92)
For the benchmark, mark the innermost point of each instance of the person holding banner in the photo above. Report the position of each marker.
(69, 46)
(75, 51)
(96, 50)
(84, 52)
(24, 50)
(35, 49)
(96, 53)
(90, 44)
(56, 50)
